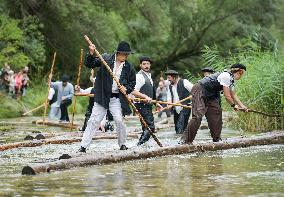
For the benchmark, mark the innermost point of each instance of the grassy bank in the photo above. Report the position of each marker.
(12, 108)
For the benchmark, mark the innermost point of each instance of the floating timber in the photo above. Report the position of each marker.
(72, 138)
(35, 143)
(113, 157)
(56, 124)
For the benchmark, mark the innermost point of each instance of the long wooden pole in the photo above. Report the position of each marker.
(185, 99)
(78, 83)
(263, 113)
(34, 109)
(161, 102)
(144, 100)
(49, 82)
(122, 91)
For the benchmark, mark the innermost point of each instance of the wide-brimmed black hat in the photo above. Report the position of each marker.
(64, 78)
(123, 47)
(239, 66)
(207, 69)
(145, 58)
(171, 72)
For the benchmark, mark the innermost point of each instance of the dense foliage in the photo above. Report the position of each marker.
(172, 32)
(181, 34)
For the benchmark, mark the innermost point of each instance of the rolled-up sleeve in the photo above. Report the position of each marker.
(187, 85)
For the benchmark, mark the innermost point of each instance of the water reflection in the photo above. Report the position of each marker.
(254, 171)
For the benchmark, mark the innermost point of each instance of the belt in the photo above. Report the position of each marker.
(114, 95)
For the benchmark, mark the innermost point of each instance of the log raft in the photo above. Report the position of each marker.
(75, 137)
(56, 124)
(58, 141)
(106, 158)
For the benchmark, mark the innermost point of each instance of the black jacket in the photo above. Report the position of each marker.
(103, 83)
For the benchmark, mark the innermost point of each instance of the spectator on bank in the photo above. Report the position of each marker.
(12, 83)
(25, 82)
(19, 83)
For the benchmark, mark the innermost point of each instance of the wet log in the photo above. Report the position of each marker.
(106, 158)
(56, 124)
(58, 141)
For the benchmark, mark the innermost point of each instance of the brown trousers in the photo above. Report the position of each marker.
(200, 107)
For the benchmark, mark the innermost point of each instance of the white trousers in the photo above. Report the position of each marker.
(98, 113)
(54, 113)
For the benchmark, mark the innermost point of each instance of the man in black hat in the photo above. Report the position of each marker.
(179, 89)
(65, 92)
(108, 96)
(207, 71)
(145, 89)
(206, 101)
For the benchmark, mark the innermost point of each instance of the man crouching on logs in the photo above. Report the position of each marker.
(108, 96)
(206, 101)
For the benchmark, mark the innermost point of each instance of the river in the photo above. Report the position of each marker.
(253, 171)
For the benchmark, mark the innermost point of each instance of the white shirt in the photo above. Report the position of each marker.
(50, 95)
(225, 79)
(187, 86)
(140, 80)
(86, 91)
(117, 72)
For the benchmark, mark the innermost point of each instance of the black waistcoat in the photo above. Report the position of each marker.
(211, 86)
(182, 92)
(147, 88)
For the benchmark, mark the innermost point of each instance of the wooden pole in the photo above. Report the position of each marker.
(34, 109)
(124, 93)
(78, 83)
(259, 112)
(161, 102)
(185, 99)
(49, 82)
(84, 94)
(99, 158)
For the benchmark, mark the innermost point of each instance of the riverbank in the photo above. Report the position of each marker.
(13, 108)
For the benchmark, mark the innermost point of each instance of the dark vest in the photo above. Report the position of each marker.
(147, 88)
(211, 86)
(182, 92)
(54, 97)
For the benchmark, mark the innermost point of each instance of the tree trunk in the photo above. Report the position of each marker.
(56, 124)
(58, 141)
(74, 137)
(105, 158)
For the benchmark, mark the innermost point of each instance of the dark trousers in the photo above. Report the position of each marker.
(200, 107)
(181, 120)
(167, 111)
(64, 109)
(146, 112)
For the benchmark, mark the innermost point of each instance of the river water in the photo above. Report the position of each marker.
(253, 171)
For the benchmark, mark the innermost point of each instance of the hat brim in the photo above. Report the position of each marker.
(207, 70)
(171, 73)
(127, 52)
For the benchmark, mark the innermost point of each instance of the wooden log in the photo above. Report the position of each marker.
(56, 124)
(58, 141)
(106, 158)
